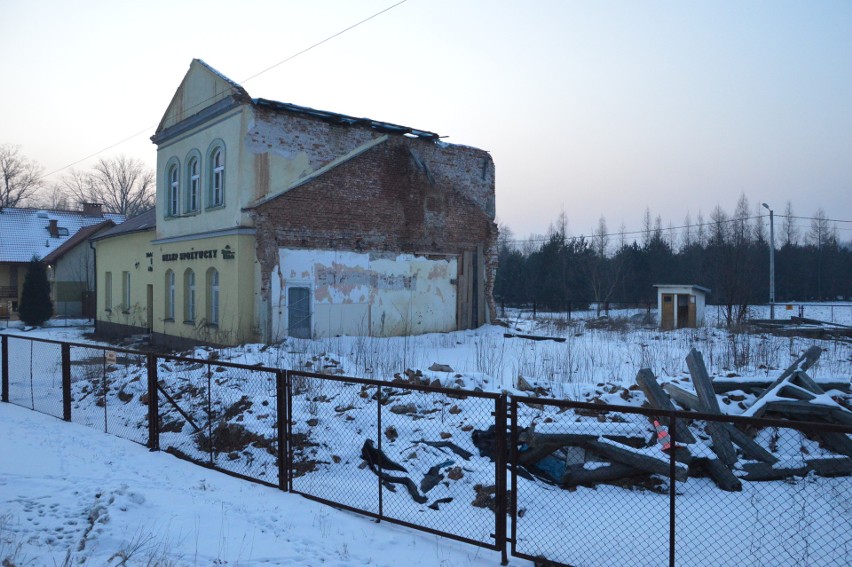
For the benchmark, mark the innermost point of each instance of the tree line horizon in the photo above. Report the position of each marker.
(728, 253)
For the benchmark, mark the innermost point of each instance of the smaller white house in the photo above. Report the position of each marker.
(680, 306)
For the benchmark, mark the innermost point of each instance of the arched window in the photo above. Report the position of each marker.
(193, 179)
(216, 176)
(189, 296)
(213, 296)
(170, 295)
(173, 192)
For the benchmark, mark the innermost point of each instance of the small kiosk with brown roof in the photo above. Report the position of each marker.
(680, 306)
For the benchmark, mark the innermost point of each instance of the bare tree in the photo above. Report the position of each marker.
(122, 184)
(788, 229)
(759, 227)
(686, 234)
(647, 230)
(54, 197)
(819, 233)
(77, 187)
(600, 239)
(21, 176)
(740, 230)
(700, 232)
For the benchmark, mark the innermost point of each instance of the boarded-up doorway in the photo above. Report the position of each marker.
(299, 312)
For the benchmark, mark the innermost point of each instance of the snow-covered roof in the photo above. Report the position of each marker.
(25, 233)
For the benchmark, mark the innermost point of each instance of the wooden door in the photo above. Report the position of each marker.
(668, 312)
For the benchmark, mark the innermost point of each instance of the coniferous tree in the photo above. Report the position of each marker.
(36, 307)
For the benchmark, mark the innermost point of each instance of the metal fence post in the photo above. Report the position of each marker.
(104, 386)
(379, 443)
(500, 463)
(210, 414)
(4, 391)
(281, 378)
(513, 460)
(153, 405)
(66, 381)
(672, 488)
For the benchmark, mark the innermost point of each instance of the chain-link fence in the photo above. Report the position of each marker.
(401, 451)
(109, 391)
(220, 414)
(587, 484)
(607, 485)
(35, 374)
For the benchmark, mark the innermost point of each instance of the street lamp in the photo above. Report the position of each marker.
(771, 262)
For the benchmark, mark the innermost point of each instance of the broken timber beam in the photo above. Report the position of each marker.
(721, 475)
(630, 457)
(725, 385)
(707, 398)
(764, 471)
(837, 442)
(751, 449)
(578, 475)
(831, 466)
(802, 363)
(806, 411)
(658, 398)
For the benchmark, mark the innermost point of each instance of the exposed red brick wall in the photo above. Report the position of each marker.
(403, 195)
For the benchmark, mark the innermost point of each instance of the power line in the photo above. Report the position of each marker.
(290, 58)
(673, 228)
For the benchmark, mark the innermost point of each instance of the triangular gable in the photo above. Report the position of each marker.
(201, 87)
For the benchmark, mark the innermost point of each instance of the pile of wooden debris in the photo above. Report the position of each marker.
(725, 449)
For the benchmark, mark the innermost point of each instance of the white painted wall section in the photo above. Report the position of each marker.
(354, 293)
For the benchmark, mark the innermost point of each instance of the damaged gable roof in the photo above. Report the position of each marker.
(343, 119)
(205, 92)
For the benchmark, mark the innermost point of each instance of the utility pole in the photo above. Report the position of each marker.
(771, 262)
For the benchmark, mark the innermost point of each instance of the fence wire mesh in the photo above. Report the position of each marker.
(109, 391)
(593, 486)
(575, 504)
(395, 451)
(791, 507)
(35, 375)
(221, 415)
(330, 423)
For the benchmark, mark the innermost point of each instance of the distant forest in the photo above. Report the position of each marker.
(727, 253)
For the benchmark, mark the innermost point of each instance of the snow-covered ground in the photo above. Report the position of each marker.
(597, 361)
(70, 495)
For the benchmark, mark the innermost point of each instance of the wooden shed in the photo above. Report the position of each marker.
(680, 306)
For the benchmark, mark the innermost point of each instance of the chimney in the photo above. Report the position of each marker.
(93, 210)
(53, 228)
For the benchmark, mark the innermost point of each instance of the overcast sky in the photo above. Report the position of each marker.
(596, 108)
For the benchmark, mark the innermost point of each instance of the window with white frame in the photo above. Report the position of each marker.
(189, 296)
(170, 295)
(213, 296)
(172, 209)
(193, 179)
(216, 196)
(125, 291)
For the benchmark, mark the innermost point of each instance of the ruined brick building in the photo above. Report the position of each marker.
(276, 220)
